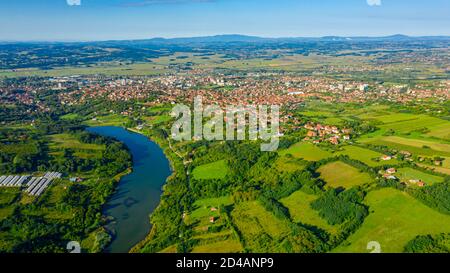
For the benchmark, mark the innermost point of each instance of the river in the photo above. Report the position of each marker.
(138, 194)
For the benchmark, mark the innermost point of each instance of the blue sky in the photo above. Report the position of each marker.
(27, 20)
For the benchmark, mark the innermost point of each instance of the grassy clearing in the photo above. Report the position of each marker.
(366, 156)
(406, 174)
(222, 241)
(28, 148)
(333, 121)
(286, 164)
(57, 191)
(411, 123)
(156, 120)
(395, 118)
(6, 212)
(318, 114)
(8, 195)
(446, 163)
(299, 205)
(215, 170)
(109, 120)
(81, 150)
(338, 174)
(441, 147)
(306, 151)
(415, 148)
(226, 246)
(395, 218)
(445, 168)
(68, 141)
(202, 208)
(169, 249)
(441, 131)
(437, 169)
(71, 116)
(260, 229)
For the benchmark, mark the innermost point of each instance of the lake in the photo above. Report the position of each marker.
(138, 194)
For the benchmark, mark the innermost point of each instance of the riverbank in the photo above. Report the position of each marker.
(137, 194)
(176, 164)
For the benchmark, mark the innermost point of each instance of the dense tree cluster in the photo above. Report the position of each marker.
(436, 196)
(429, 244)
(339, 207)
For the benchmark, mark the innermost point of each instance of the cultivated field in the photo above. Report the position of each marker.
(369, 157)
(338, 174)
(406, 174)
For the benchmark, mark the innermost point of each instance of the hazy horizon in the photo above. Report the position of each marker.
(103, 20)
(217, 35)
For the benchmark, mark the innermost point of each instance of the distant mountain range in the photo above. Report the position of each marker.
(235, 38)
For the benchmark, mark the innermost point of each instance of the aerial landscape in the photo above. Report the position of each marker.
(90, 162)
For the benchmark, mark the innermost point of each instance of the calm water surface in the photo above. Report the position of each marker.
(138, 193)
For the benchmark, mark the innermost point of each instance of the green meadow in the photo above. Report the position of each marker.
(338, 174)
(156, 120)
(369, 157)
(207, 241)
(202, 207)
(215, 170)
(406, 174)
(8, 196)
(5, 212)
(287, 164)
(416, 147)
(307, 151)
(70, 142)
(19, 148)
(260, 228)
(107, 120)
(299, 205)
(410, 124)
(227, 246)
(395, 218)
(82, 150)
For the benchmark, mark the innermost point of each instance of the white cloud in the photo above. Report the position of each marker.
(74, 2)
(374, 2)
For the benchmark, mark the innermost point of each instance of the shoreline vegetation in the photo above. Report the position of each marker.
(164, 145)
(174, 162)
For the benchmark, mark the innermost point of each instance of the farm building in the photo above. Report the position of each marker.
(391, 170)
